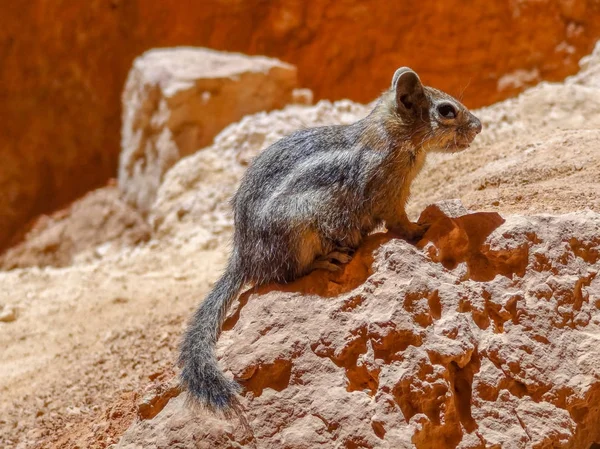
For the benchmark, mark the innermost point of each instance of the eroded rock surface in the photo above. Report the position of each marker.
(485, 334)
(176, 101)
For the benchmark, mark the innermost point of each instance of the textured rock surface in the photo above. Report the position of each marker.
(60, 85)
(176, 101)
(589, 73)
(484, 335)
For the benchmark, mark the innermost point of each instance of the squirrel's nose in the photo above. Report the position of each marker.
(476, 125)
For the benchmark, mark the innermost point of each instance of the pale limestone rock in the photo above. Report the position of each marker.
(538, 153)
(176, 100)
(7, 314)
(484, 335)
(589, 75)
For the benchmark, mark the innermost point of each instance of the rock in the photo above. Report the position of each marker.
(176, 100)
(302, 96)
(7, 314)
(589, 73)
(156, 398)
(483, 335)
(94, 226)
(72, 77)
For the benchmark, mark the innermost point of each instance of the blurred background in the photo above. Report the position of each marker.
(64, 65)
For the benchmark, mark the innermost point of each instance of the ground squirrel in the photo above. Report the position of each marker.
(308, 200)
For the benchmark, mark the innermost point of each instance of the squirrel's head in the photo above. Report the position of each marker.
(435, 120)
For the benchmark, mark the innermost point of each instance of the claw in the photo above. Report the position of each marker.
(345, 250)
(324, 265)
(338, 256)
(333, 261)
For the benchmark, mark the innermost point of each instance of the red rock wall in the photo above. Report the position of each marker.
(64, 65)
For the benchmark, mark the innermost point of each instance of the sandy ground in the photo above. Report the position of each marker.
(84, 337)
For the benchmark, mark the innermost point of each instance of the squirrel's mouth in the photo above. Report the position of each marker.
(456, 142)
(462, 142)
(459, 145)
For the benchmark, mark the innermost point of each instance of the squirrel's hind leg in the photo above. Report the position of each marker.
(317, 253)
(309, 246)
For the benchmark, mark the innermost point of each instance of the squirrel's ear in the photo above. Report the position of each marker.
(408, 88)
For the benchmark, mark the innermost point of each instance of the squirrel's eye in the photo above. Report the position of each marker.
(446, 110)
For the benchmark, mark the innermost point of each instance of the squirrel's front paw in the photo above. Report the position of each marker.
(412, 231)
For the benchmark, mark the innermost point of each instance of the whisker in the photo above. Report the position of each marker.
(460, 97)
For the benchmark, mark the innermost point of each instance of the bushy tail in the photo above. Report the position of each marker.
(200, 372)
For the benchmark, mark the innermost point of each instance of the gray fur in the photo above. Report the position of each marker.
(319, 192)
